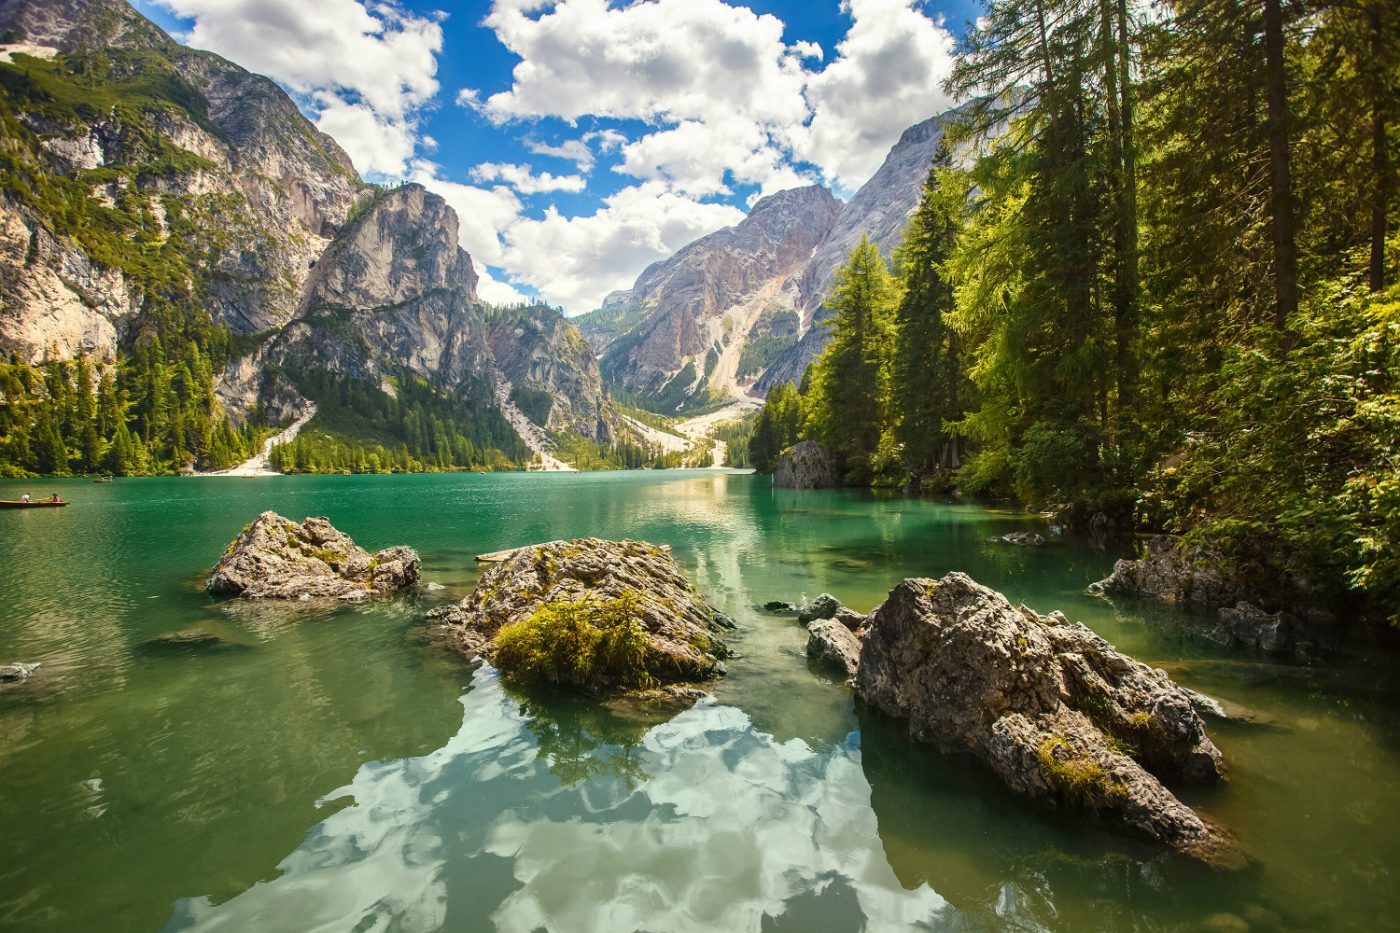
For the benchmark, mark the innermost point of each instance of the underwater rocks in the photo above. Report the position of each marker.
(1018, 538)
(1053, 709)
(595, 615)
(807, 465)
(275, 558)
(17, 671)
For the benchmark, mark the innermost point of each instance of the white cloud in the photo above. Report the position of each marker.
(573, 150)
(888, 75)
(576, 261)
(523, 178)
(365, 69)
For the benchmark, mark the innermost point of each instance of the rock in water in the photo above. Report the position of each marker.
(17, 671)
(591, 614)
(1057, 713)
(1173, 574)
(1019, 538)
(824, 606)
(275, 558)
(833, 645)
(807, 465)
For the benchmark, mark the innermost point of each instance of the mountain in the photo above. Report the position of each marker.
(695, 311)
(730, 314)
(879, 209)
(179, 241)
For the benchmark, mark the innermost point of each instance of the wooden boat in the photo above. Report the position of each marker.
(35, 504)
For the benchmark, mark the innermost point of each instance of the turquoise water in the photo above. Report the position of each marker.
(332, 769)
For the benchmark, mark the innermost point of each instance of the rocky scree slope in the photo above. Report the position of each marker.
(694, 311)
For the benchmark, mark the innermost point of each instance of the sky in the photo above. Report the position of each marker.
(581, 140)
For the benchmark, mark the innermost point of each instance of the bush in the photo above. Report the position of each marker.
(580, 643)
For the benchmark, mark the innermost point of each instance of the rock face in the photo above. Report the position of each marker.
(553, 375)
(1057, 713)
(253, 190)
(394, 289)
(807, 465)
(275, 558)
(681, 633)
(700, 304)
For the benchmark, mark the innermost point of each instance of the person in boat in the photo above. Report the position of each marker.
(55, 498)
(24, 497)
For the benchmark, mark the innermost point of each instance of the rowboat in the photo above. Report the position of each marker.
(36, 504)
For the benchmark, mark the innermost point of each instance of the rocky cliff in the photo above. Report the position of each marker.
(137, 166)
(879, 209)
(701, 304)
(163, 206)
(757, 307)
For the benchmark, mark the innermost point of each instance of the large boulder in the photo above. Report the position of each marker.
(276, 558)
(595, 615)
(807, 465)
(1057, 713)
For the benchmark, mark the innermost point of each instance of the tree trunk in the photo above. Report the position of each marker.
(1128, 321)
(1280, 172)
(1380, 168)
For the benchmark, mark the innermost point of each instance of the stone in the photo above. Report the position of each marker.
(807, 465)
(778, 607)
(276, 558)
(824, 606)
(1057, 713)
(682, 634)
(1171, 573)
(1019, 538)
(1247, 626)
(17, 671)
(833, 645)
(850, 619)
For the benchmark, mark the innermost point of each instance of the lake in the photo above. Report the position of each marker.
(334, 769)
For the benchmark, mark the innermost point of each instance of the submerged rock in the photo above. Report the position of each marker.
(1019, 538)
(778, 607)
(1056, 711)
(833, 645)
(591, 614)
(1245, 625)
(275, 558)
(17, 671)
(807, 465)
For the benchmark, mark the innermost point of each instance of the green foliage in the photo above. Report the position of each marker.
(580, 643)
(1294, 473)
(359, 428)
(534, 403)
(848, 405)
(1078, 778)
(778, 426)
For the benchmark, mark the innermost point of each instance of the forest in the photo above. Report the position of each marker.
(1150, 285)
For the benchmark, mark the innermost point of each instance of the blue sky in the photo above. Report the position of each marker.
(581, 140)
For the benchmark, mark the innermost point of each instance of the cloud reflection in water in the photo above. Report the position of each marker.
(720, 827)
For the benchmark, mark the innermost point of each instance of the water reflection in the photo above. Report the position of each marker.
(708, 825)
